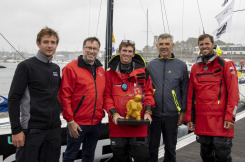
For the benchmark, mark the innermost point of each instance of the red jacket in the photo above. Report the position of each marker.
(80, 94)
(215, 86)
(138, 82)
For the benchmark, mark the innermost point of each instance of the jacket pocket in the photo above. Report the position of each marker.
(78, 106)
(176, 100)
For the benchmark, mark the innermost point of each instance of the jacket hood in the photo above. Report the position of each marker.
(138, 62)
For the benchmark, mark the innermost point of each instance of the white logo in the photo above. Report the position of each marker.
(55, 73)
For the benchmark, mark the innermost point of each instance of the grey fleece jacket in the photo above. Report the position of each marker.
(170, 82)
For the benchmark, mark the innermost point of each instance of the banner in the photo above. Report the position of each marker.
(226, 12)
(224, 28)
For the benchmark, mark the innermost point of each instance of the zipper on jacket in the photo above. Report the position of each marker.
(95, 101)
(51, 113)
(164, 66)
(220, 91)
(176, 101)
(200, 74)
(78, 106)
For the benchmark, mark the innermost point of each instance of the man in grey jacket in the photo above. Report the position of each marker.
(170, 80)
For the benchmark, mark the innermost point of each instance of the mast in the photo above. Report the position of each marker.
(109, 30)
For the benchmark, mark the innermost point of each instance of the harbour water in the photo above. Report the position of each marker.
(6, 76)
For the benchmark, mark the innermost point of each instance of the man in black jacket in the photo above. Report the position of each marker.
(34, 110)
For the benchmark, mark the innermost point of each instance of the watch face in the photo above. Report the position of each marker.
(124, 87)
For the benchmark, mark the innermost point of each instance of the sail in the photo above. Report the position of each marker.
(3, 104)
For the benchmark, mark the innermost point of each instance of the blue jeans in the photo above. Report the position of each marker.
(88, 138)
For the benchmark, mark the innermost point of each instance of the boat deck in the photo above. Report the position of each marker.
(188, 150)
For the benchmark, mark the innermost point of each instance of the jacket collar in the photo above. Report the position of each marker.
(82, 63)
(200, 58)
(43, 58)
(171, 58)
(138, 62)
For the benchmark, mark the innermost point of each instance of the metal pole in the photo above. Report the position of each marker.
(109, 32)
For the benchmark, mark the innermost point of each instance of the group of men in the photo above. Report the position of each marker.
(38, 95)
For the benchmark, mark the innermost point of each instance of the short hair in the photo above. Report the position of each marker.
(166, 36)
(47, 31)
(203, 36)
(126, 44)
(91, 39)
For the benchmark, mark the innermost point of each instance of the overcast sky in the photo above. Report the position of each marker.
(75, 20)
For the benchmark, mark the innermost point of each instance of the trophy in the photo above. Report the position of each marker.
(133, 116)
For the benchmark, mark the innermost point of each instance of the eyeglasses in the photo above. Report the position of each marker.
(91, 48)
(128, 41)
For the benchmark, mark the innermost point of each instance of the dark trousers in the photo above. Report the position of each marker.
(126, 148)
(88, 137)
(215, 149)
(168, 127)
(40, 145)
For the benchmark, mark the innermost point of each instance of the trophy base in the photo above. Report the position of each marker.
(133, 121)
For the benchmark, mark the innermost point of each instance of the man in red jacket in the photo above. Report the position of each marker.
(81, 95)
(126, 78)
(213, 88)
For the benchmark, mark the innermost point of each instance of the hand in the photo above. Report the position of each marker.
(18, 140)
(228, 124)
(147, 116)
(73, 129)
(190, 126)
(116, 117)
(181, 118)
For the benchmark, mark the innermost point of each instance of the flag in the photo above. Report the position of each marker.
(225, 1)
(3, 104)
(224, 28)
(226, 12)
(113, 45)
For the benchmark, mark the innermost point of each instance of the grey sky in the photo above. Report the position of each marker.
(74, 20)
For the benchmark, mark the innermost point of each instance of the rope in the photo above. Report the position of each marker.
(98, 18)
(166, 15)
(162, 18)
(200, 16)
(89, 18)
(13, 46)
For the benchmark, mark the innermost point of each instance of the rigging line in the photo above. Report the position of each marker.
(146, 14)
(162, 18)
(89, 17)
(98, 18)
(200, 16)
(166, 15)
(239, 10)
(182, 32)
(237, 21)
(12, 46)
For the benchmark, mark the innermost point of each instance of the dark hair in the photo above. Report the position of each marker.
(126, 44)
(91, 39)
(203, 36)
(47, 31)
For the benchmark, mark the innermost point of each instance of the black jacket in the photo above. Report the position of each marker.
(33, 92)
